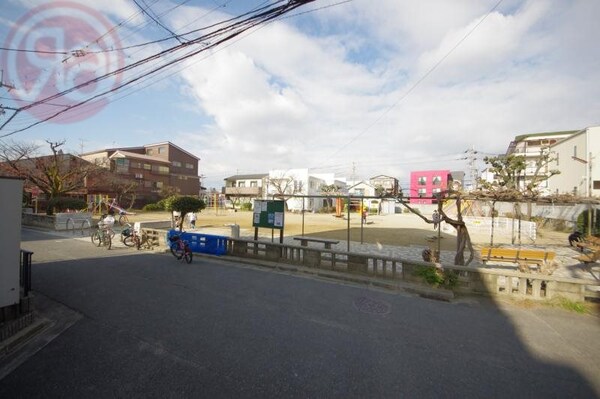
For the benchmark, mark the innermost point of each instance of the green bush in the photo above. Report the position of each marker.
(246, 206)
(436, 277)
(153, 207)
(60, 204)
(582, 223)
(327, 209)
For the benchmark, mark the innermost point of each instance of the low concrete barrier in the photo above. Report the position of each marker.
(58, 221)
(493, 282)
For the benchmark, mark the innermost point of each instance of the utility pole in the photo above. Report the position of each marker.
(472, 162)
(3, 84)
(589, 194)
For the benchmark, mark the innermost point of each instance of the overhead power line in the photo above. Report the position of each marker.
(418, 82)
(212, 39)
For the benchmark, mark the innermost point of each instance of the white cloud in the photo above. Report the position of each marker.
(345, 86)
(286, 98)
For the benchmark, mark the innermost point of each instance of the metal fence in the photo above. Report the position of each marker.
(25, 272)
(502, 226)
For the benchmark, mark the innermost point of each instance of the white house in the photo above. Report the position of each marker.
(577, 158)
(301, 182)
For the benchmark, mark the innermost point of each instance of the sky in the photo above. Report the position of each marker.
(358, 88)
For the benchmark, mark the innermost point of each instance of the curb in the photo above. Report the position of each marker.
(439, 294)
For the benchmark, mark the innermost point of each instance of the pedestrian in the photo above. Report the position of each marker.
(193, 220)
(365, 213)
(436, 219)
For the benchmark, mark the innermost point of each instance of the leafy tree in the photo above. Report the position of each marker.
(509, 172)
(330, 189)
(380, 191)
(185, 205)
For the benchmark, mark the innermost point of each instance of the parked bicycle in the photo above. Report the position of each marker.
(103, 235)
(130, 237)
(180, 248)
(123, 219)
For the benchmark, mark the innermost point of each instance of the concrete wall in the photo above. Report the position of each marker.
(10, 240)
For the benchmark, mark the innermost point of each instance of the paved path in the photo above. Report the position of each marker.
(150, 326)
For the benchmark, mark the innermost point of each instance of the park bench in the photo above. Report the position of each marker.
(590, 257)
(523, 257)
(589, 242)
(305, 240)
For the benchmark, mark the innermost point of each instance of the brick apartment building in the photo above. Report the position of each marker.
(154, 167)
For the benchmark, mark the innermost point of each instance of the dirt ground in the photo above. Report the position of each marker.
(397, 229)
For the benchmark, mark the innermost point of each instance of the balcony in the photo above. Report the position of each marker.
(239, 191)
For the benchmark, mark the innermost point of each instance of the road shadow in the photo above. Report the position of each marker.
(153, 326)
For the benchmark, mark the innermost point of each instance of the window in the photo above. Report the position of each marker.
(149, 151)
(253, 183)
(147, 184)
(161, 150)
(437, 180)
(163, 170)
(189, 166)
(596, 184)
(121, 165)
(147, 166)
(241, 184)
(422, 192)
(422, 181)
(436, 190)
(158, 184)
(139, 175)
(136, 165)
(177, 164)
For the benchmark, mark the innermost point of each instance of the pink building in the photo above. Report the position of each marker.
(424, 184)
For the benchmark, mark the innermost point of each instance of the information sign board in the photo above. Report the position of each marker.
(269, 214)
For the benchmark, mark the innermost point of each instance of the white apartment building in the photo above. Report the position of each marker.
(578, 159)
(532, 146)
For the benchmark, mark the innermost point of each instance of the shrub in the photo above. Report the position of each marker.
(246, 206)
(327, 209)
(59, 204)
(153, 207)
(436, 277)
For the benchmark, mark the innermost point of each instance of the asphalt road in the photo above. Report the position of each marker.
(147, 325)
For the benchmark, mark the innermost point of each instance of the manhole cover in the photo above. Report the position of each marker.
(372, 306)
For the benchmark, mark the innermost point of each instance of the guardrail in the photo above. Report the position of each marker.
(472, 280)
(83, 223)
(151, 237)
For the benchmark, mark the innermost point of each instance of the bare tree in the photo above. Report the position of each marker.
(285, 186)
(463, 239)
(55, 174)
